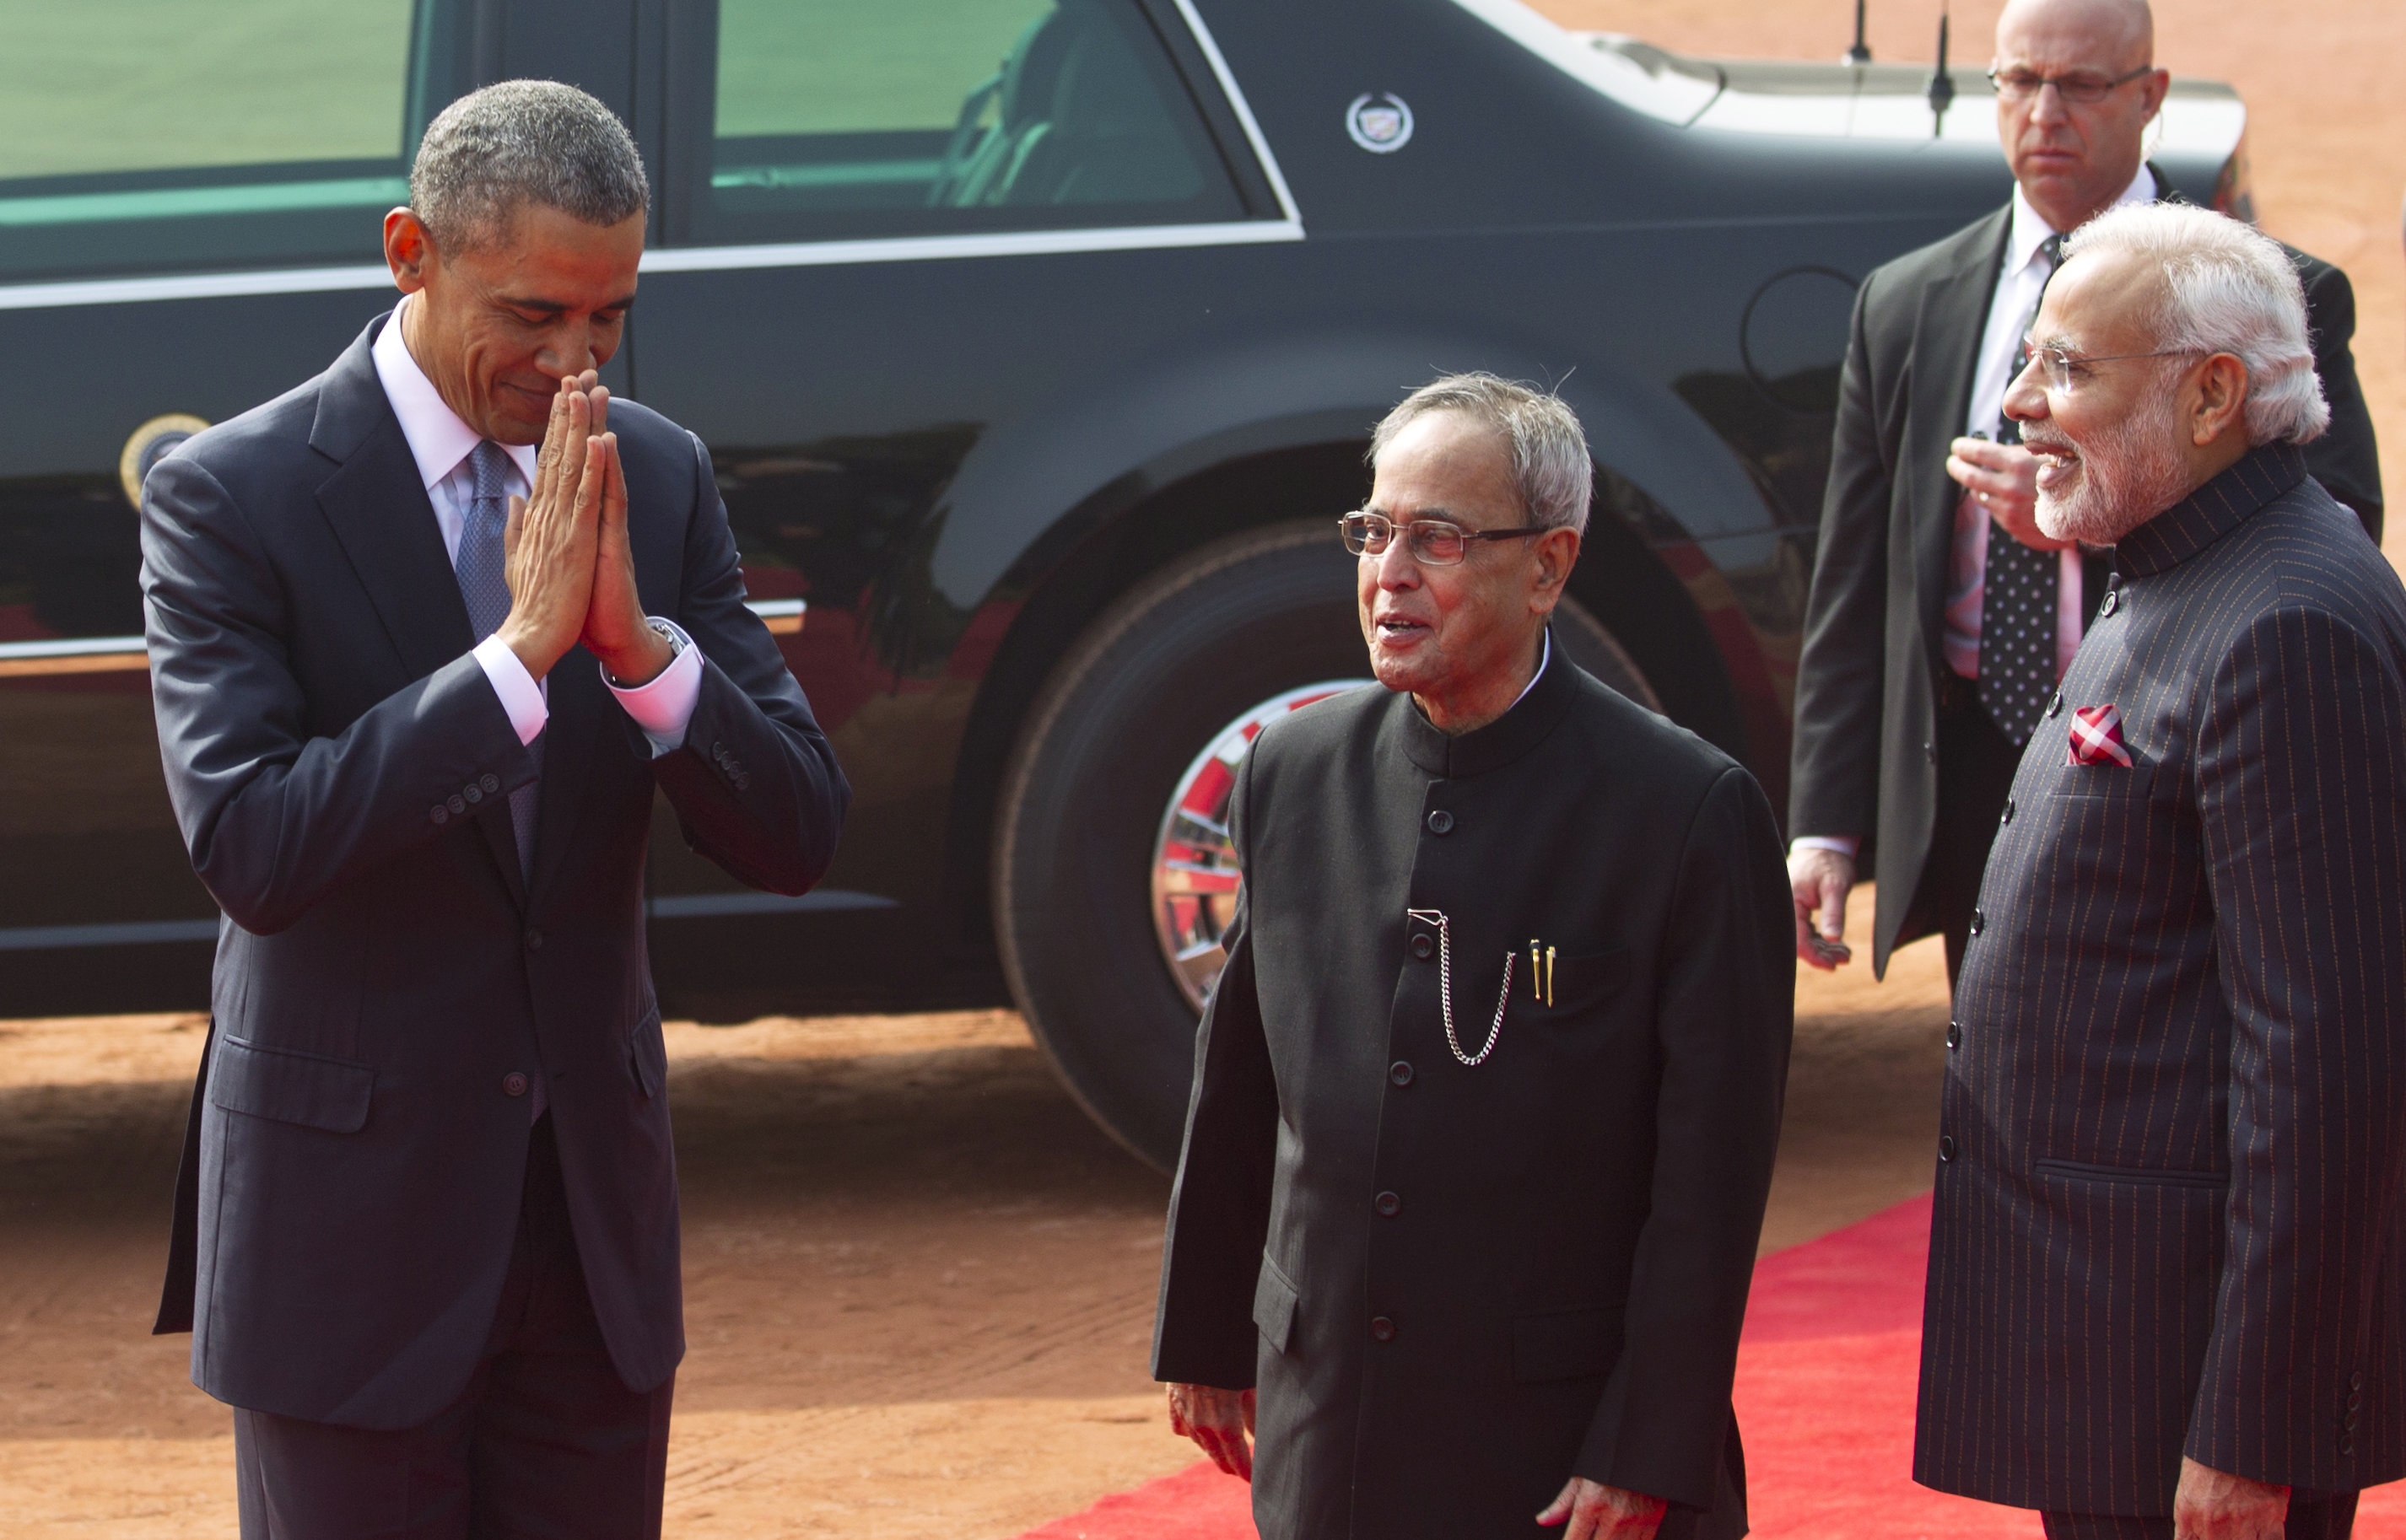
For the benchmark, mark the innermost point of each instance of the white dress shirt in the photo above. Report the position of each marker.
(441, 442)
(2020, 282)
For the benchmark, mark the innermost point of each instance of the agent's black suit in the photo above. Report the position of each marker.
(2171, 1188)
(386, 982)
(1885, 743)
(1456, 1287)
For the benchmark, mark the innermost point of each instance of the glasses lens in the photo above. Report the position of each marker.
(2059, 369)
(1438, 542)
(2086, 90)
(2016, 85)
(1366, 534)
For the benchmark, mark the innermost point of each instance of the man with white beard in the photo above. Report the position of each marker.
(2167, 1291)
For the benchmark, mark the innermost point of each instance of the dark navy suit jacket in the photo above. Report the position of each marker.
(352, 1181)
(2172, 1194)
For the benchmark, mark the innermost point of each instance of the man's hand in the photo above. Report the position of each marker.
(614, 628)
(2212, 1504)
(1817, 881)
(1597, 1512)
(1220, 1421)
(2004, 477)
(548, 544)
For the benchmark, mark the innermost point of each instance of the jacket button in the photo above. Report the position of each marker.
(473, 792)
(1945, 1147)
(2113, 602)
(1422, 947)
(440, 814)
(2353, 1398)
(718, 751)
(1400, 1072)
(1978, 921)
(2055, 707)
(1954, 1035)
(513, 1085)
(1381, 1329)
(742, 782)
(1389, 1206)
(2355, 1380)
(2346, 1446)
(1930, 751)
(1441, 821)
(490, 782)
(533, 939)
(459, 804)
(2007, 816)
(2349, 1422)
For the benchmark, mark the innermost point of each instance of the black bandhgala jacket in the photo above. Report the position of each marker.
(1455, 1287)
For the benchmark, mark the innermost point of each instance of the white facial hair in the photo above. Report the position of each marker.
(2130, 471)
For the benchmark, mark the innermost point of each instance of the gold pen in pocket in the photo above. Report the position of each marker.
(1549, 978)
(1536, 979)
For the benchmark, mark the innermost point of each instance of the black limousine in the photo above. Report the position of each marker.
(1037, 343)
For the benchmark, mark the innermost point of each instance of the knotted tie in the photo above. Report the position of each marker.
(484, 585)
(2017, 622)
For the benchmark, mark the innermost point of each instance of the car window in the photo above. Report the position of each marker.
(151, 134)
(833, 118)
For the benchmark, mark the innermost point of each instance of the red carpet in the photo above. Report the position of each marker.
(1825, 1384)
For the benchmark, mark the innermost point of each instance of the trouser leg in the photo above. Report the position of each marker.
(545, 1441)
(2313, 1515)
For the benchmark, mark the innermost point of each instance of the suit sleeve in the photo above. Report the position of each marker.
(1219, 1210)
(2347, 461)
(2301, 767)
(1840, 678)
(275, 818)
(755, 786)
(1726, 984)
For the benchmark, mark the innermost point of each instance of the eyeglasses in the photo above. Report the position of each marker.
(2020, 85)
(1431, 542)
(2060, 364)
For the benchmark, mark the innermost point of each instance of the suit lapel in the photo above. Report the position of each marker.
(1946, 344)
(380, 513)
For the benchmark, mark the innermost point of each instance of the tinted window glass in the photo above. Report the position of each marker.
(155, 133)
(835, 117)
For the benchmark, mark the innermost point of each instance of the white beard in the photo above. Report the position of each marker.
(2128, 473)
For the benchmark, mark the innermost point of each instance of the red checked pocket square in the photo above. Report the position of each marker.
(2097, 737)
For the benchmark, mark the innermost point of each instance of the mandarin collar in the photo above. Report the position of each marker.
(1509, 737)
(2210, 511)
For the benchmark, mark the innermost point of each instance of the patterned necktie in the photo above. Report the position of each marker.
(484, 584)
(2018, 621)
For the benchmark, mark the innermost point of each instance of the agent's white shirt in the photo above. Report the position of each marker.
(2020, 282)
(440, 442)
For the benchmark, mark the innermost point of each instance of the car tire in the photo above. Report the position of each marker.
(1147, 689)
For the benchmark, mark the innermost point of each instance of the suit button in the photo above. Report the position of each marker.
(1441, 821)
(2055, 707)
(490, 782)
(2355, 1380)
(513, 1085)
(473, 792)
(1389, 1206)
(533, 939)
(1422, 947)
(459, 804)
(2007, 816)
(742, 782)
(440, 814)
(1930, 751)
(1945, 1147)
(1400, 1072)
(2347, 1445)
(2113, 602)
(1954, 1035)
(1381, 1329)
(2353, 1399)
(1979, 921)
(2349, 1424)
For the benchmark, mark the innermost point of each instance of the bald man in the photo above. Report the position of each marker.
(1942, 616)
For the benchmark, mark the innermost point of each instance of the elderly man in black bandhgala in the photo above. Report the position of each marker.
(1486, 1098)
(2167, 1269)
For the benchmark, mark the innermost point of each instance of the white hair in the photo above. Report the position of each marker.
(2227, 288)
(1549, 463)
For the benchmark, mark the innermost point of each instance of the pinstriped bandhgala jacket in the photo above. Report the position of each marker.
(2171, 1211)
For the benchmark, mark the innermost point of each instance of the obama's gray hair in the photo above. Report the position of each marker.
(2227, 288)
(1540, 430)
(495, 150)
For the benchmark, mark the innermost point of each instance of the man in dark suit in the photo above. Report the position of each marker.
(1941, 616)
(2167, 1284)
(415, 687)
(1486, 1098)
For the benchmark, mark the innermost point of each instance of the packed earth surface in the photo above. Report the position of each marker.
(919, 1282)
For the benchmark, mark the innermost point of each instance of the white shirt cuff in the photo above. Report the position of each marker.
(521, 696)
(1844, 844)
(664, 707)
